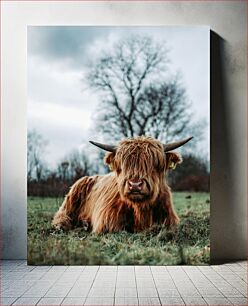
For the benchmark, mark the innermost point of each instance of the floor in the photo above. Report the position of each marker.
(123, 285)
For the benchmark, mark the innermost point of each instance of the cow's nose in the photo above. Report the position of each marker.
(135, 185)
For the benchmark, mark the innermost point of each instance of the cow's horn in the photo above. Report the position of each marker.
(104, 146)
(174, 145)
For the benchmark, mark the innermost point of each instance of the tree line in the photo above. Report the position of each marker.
(191, 175)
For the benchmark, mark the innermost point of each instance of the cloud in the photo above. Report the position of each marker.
(65, 127)
(66, 44)
(55, 84)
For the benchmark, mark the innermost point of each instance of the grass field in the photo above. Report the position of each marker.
(188, 244)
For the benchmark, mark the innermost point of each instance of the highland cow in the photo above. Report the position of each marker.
(133, 197)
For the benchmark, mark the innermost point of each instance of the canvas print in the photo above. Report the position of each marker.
(118, 145)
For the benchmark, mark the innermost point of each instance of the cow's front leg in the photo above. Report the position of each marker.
(84, 223)
(172, 218)
(62, 219)
(73, 206)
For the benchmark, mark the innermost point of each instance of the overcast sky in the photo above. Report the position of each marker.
(61, 107)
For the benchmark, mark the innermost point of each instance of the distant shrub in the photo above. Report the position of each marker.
(191, 175)
(49, 188)
(193, 183)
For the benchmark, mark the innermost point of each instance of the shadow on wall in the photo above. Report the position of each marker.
(225, 232)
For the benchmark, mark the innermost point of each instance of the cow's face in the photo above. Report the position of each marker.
(140, 164)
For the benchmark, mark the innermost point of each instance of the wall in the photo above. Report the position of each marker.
(227, 20)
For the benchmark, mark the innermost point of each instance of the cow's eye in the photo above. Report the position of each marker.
(118, 170)
(159, 167)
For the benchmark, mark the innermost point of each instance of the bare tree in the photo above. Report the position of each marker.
(79, 164)
(75, 165)
(36, 146)
(162, 111)
(136, 99)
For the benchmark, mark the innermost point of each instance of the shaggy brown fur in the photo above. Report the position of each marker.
(106, 203)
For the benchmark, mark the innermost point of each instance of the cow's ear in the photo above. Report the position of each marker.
(172, 159)
(109, 159)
